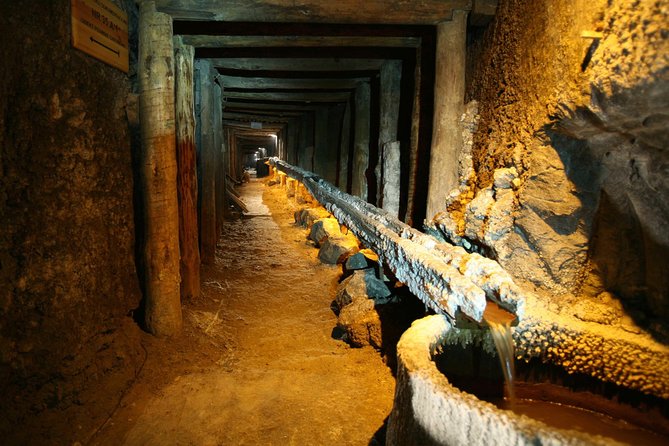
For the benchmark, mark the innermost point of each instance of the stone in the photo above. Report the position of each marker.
(362, 285)
(500, 219)
(361, 323)
(365, 258)
(335, 250)
(504, 178)
(307, 216)
(477, 213)
(324, 228)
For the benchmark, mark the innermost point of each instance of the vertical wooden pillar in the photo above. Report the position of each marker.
(291, 141)
(187, 173)
(407, 216)
(159, 171)
(219, 157)
(391, 76)
(449, 95)
(344, 149)
(361, 145)
(208, 235)
(391, 177)
(321, 154)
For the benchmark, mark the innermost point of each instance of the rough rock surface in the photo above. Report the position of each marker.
(363, 284)
(582, 122)
(356, 301)
(324, 228)
(361, 323)
(68, 278)
(363, 259)
(335, 250)
(307, 216)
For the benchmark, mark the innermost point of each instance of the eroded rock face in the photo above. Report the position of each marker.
(569, 188)
(357, 297)
(68, 277)
(307, 216)
(363, 284)
(335, 250)
(324, 228)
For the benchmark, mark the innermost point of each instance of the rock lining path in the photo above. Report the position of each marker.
(266, 369)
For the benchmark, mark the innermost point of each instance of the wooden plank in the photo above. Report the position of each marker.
(304, 84)
(297, 64)
(424, 12)
(100, 29)
(307, 97)
(449, 95)
(232, 104)
(207, 151)
(254, 118)
(204, 41)
(237, 202)
(159, 172)
(187, 172)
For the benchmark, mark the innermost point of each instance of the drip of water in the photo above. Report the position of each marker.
(499, 321)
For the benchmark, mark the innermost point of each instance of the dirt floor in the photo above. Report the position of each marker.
(257, 364)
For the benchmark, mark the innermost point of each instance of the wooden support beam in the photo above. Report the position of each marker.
(246, 117)
(159, 172)
(390, 83)
(307, 96)
(449, 95)
(236, 105)
(399, 12)
(303, 84)
(297, 64)
(344, 150)
(207, 151)
(203, 41)
(221, 200)
(187, 171)
(361, 145)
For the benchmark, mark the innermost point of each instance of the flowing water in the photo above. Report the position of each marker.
(500, 321)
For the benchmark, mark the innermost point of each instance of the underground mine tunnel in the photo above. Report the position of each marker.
(312, 222)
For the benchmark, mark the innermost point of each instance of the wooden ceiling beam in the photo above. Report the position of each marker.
(423, 12)
(297, 64)
(205, 41)
(306, 97)
(236, 105)
(305, 84)
(254, 118)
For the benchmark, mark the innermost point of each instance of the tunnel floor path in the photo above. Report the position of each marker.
(258, 365)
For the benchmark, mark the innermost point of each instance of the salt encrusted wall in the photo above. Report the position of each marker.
(67, 269)
(569, 185)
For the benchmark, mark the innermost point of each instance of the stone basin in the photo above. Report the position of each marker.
(429, 408)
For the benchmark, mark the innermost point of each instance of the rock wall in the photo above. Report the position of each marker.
(569, 190)
(67, 269)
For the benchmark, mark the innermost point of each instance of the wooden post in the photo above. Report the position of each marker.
(391, 77)
(187, 173)
(361, 145)
(449, 95)
(344, 149)
(415, 139)
(208, 236)
(159, 171)
(219, 166)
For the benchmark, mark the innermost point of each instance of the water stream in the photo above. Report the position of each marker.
(500, 321)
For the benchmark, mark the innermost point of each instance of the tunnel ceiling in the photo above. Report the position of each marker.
(279, 60)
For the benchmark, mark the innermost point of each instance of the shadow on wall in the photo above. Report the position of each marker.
(617, 148)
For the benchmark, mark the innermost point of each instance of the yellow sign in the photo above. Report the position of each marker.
(100, 28)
